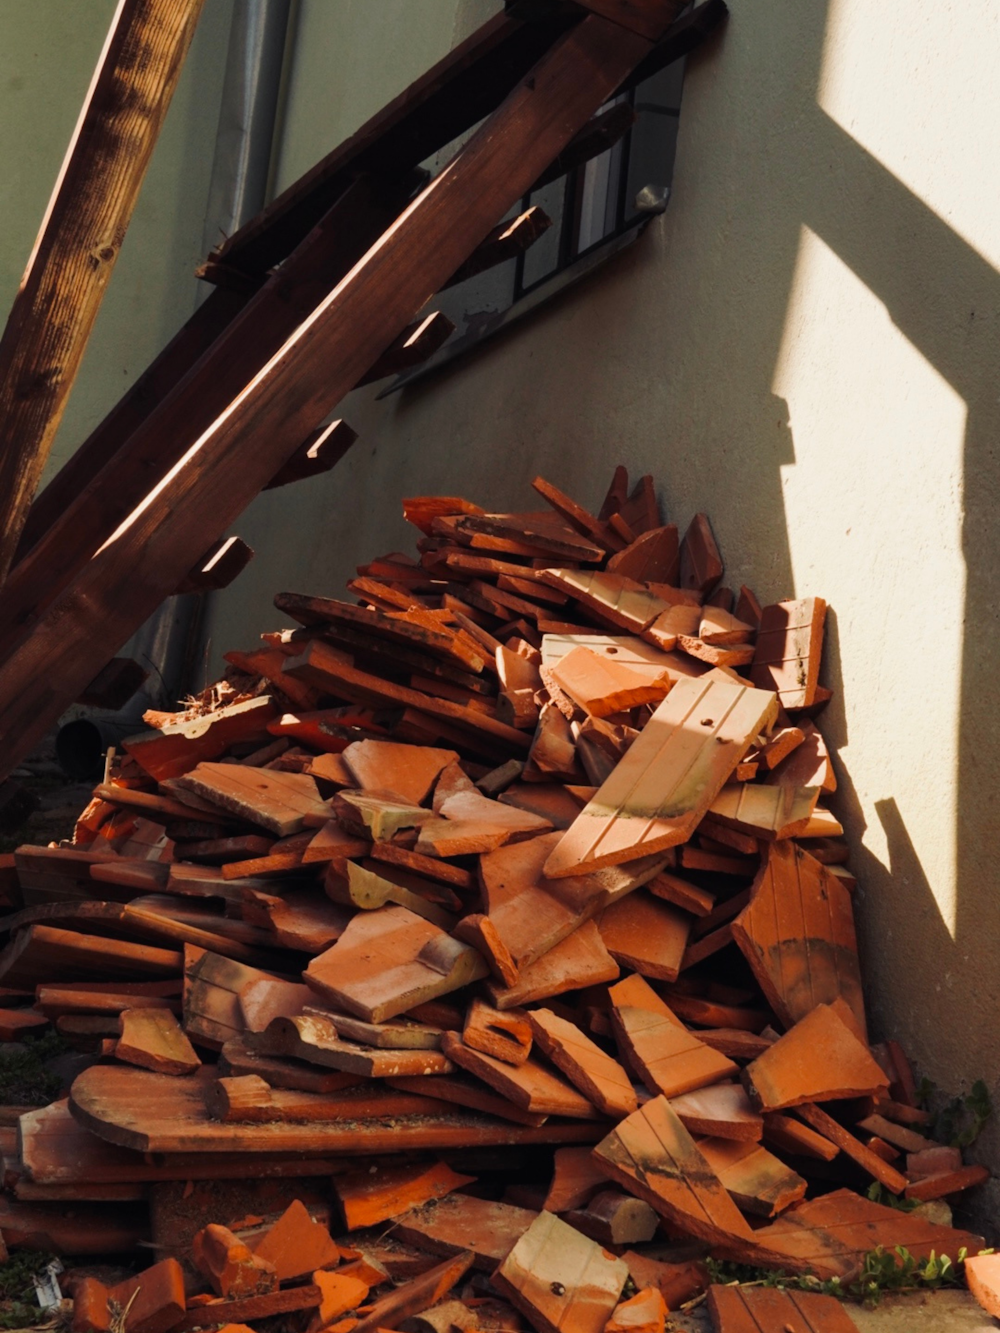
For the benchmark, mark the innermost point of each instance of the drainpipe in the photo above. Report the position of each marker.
(260, 38)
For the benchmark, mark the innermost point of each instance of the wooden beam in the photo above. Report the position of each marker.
(414, 345)
(509, 239)
(190, 342)
(222, 562)
(641, 16)
(596, 137)
(318, 452)
(235, 457)
(240, 351)
(82, 232)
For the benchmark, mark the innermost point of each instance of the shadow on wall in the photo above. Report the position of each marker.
(945, 298)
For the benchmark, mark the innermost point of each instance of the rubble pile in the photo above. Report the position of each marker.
(477, 954)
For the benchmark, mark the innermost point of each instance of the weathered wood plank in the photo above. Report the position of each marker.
(80, 238)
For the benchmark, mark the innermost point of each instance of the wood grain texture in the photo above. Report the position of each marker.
(143, 561)
(80, 238)
(798, 935)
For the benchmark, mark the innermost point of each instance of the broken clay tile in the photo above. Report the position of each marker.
(645, 1312)
(787, 654)
(418, 962)
(296, 1245)
(374, 1194)
(154, 1298)
(579, 960)
(722, 1111)
(575, 1178)
(602, 686)
(742, 1309)
(644, 933)
(658, 793)
(340, 1292)
(505, 1036)
(409, 771)
(701, 564)
(798, 935)
(758, 1182)
(677, 1283)
(231, 1267)
(563, 1282)
(530, 1085)
(652, 1155)
(601, 1079)
(819, 1059)
(153, 1039)
(982, 1273)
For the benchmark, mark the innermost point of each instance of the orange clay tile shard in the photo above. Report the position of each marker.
(561, 1281)
(757, 1181)
(602, 686)
(575, 1178)
(808, 764)
(701, 563)
(153, 1039)
(740, 1309)
(768, 813)
(409, 771)
(787, 654)
(418, 962)
(646, 934)
(652, 1155)
(798, 935)
(600, 1079)
(645, 1312)
(670, 776)
(530, 1086)
(505, 1036)
(469, 822)
(461, 1222)
(722, 1111)
(579, 960)
(297, 1244)
(982, 1273)
(657, 1046)
(229, 1265)
(277, 801)
(374, 1194)
(819, 1059)
(831, 1235)
(610, 598)
(654, 557)
(530, 914)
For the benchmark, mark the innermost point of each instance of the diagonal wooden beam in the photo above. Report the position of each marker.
(80, 238)
(235, 457)
(239, 352)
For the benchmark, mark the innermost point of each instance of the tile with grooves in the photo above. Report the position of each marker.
(820, 1059)
(798, 935)
(758, 1182)
(657, 794)
(600, 1079)
(530, 1086)
(652, 1155)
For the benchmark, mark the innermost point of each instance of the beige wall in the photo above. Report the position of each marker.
(805, 346)
(48, 52)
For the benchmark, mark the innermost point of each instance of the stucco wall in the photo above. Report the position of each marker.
(48, 51)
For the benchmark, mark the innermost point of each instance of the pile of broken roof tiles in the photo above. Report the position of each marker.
(494, 922)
